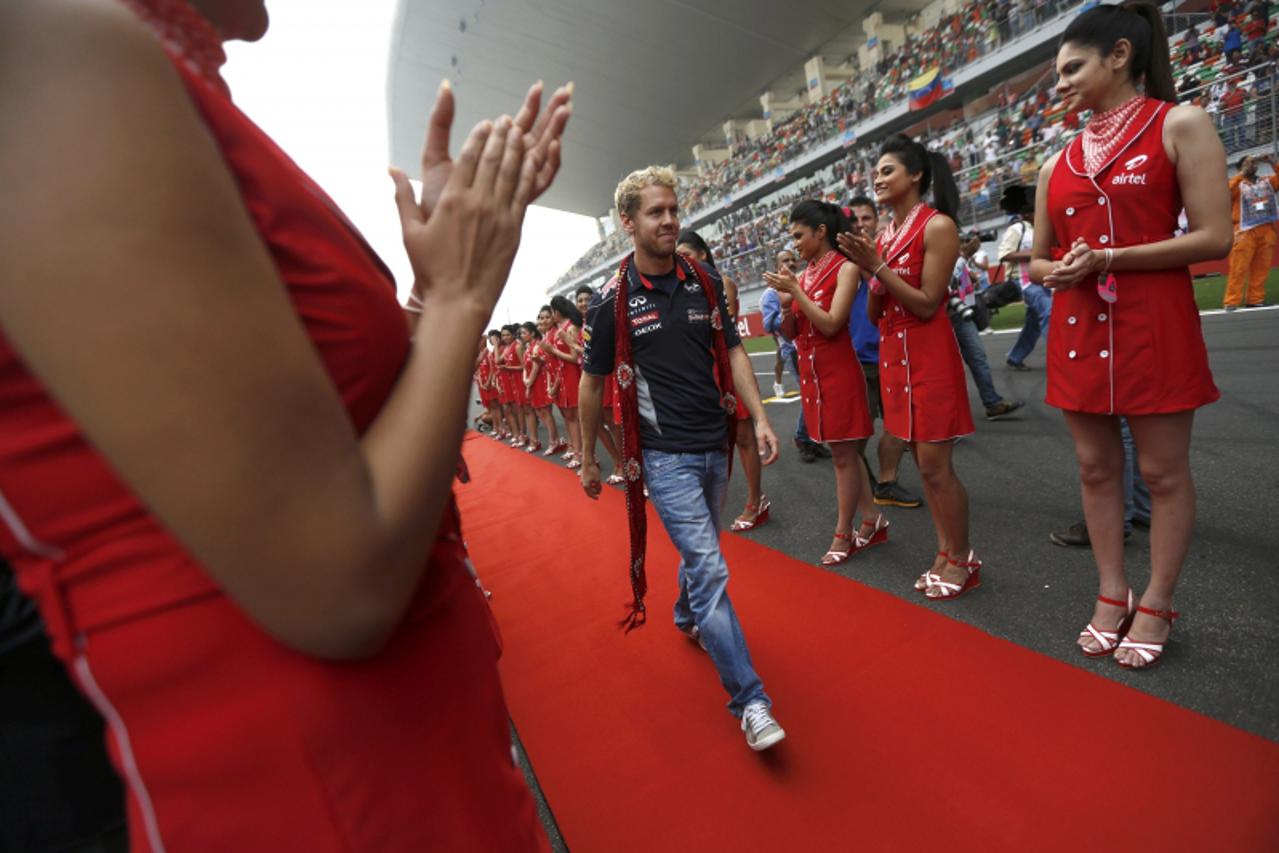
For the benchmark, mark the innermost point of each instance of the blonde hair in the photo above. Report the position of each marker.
(627, 196)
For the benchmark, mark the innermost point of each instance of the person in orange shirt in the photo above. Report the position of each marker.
(1254, 211)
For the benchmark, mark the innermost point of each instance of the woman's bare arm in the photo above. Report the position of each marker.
(941, 250)
(137, 289)
(828, 323)
(1041, 262)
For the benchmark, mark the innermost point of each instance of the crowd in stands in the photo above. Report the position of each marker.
(1224, 62)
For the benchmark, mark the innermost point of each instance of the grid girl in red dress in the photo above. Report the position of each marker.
(1125, 338)
(815, 309)
(922, 383)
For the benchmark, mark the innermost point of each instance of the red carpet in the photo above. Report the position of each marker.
(907, 730)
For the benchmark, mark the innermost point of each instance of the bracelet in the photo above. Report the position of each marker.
(412, 309)
(1110, 256)
(882, 264)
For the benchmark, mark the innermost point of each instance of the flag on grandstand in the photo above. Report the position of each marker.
(928, 88)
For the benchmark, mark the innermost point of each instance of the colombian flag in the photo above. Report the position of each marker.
(928, 88)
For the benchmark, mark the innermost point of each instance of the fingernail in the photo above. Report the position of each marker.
(445, 85)
(569, 88)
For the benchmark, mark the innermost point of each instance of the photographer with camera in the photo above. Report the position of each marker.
(967, 315)
(1014, 253)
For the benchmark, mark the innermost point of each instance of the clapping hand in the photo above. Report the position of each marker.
(860, 249)
(784, 282)
(462, 234)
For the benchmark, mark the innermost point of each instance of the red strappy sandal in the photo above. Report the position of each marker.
(1148, 652)
(555, 448)
(939, 590)
(1108, 641)
(878, 534)
(759, 511)
(833, 557)
(926, 579)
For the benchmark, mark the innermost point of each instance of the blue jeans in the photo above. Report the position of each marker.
(688, 490)
(1136, 495)
(970, 347)
(1039, 304)
(801, 429)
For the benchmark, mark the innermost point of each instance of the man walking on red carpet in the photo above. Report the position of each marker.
(660, 327)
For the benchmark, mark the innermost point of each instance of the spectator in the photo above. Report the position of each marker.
(1014, 253)
(1253, 210)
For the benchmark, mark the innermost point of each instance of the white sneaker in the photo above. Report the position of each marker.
(762, 731)
(779, 390)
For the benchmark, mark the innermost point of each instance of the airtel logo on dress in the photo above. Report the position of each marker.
(1120, 180)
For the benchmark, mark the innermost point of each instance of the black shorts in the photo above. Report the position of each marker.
(870, 369)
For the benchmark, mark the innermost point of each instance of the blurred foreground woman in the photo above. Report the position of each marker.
(225, 461)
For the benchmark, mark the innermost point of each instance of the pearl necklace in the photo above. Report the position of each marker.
(893, 232)
(186, 35)
(1105, 132)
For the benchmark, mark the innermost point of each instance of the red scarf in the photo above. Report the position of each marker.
(628, 401)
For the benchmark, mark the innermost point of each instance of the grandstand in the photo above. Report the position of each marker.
(991, 111)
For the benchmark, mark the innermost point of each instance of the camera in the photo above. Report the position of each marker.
(956, 306)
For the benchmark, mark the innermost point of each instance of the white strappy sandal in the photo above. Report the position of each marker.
(1108, 641)
(1148, 652)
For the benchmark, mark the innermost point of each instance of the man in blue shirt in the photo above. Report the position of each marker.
(865, 335)
(770, 309)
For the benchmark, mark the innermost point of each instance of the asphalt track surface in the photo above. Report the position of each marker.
(1022, 481)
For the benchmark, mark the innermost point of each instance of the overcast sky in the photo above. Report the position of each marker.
(317, 84)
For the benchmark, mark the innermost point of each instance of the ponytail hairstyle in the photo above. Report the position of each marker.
(933, 167)
(566, 309)
(531, 328)
(815, 213)
(1141, 25)
(689, 237)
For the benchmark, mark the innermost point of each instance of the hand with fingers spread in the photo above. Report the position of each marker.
(860, 249)
(461, 236)
(783, 281)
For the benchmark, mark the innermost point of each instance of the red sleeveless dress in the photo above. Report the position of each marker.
(921, 374)
(538, 398)
(570, 371)
(484, 379)
(550, 367)
(226, 739)
(832, 385)
(1143, 354)
(514, 379)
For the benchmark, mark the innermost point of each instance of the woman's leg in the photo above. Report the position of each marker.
(778, 366)
(1163, 453)
(850, 479)
(530, 424)
(748, 452)
(1100, 452)
(605, 436)
(947, 502)
(574, 429)
(548, 421)
(614, 434)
